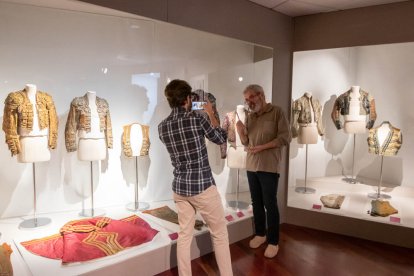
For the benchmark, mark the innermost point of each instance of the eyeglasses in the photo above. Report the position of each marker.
(250, 98)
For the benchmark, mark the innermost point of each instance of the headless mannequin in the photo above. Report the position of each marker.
(236, 157)
(308, 133)
(354, 122)
(92, 145)
(135, 138)
(34, 143)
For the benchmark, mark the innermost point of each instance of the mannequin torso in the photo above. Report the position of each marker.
(34, 143)
(354, 122)
(382, 133)
(136, 139)
(92, 145)
(95, 132)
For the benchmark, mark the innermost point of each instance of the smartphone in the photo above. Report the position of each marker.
(197, 105)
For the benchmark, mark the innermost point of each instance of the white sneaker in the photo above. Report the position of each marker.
(271, 251)
(257, 241)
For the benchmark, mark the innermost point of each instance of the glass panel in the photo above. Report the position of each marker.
(352, 161)
(127, 61)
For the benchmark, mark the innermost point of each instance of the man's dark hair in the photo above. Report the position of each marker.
(177, 92)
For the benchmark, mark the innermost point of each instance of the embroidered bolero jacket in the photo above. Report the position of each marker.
(18, 113)
(79, 118)
(367, 107)
(390, 146)
(301, 114)
(126, 140)
(229, 125)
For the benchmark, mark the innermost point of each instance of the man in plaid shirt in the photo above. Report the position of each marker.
(183, 132)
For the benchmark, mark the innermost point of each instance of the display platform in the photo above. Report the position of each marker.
(356, 204)
(160, 251)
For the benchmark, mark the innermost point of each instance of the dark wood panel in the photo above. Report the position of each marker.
(305, 251)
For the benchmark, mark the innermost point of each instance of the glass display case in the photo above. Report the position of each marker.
(350, 173)
(127, 60)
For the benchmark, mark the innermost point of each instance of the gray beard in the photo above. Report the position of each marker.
(257, 108)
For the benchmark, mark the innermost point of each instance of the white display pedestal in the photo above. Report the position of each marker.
(356, 203)
(92, 212)
(35, 221)
(136, 205)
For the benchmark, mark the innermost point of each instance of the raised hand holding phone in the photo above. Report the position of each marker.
(208, 108)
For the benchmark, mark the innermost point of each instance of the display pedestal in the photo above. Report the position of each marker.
(352, 179)
(305, 189)
(237, 204)
(378, 194)
(92, 212)
(35, 221)
(136, 205)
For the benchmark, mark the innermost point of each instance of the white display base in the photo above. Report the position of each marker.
(356, 203)
(137, 206)
(34, 222)
(147, 259)
(89, 213)
(238, 205)
(305, 190)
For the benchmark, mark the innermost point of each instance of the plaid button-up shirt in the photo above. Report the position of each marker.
(184, 133)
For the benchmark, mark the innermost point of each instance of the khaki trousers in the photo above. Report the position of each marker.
(208, 203)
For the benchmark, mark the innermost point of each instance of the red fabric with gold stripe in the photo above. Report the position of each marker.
(87, 239)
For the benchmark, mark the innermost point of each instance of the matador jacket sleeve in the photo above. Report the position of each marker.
(53, 123)
(225, 126)
(71, 128)
(108, 130)
(10, 122)
(296, 108)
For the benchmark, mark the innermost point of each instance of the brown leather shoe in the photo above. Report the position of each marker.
(257, 241)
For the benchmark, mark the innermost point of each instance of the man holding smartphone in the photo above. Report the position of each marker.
(183, 133)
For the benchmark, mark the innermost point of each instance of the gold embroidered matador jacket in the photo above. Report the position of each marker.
(367, 107)
(18, 113)
(302, 114)
(126, 140)
(390, 146)
(79, 118)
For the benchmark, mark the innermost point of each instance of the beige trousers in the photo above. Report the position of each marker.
(208, 203)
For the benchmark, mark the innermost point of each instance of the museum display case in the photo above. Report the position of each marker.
(125, 61)
(350, 171)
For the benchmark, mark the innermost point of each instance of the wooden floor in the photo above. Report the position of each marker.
(304, 251)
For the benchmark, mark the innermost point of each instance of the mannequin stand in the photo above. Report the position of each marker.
(92, 212)
(352, 179)
(237, 204)
(136, 205)
(35, 221)
(305, 189)
(378, 194)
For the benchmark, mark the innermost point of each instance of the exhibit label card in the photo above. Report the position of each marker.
(395, 219)
(240, 214)
(173, 236)
(229, 218)
(317, 207)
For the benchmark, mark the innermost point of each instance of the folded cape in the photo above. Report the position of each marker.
(91, 238)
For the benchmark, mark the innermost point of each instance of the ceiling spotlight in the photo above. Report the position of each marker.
(104, 70)
(240, 79)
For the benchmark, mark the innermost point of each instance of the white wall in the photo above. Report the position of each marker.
(385, 71)
(65, 53)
